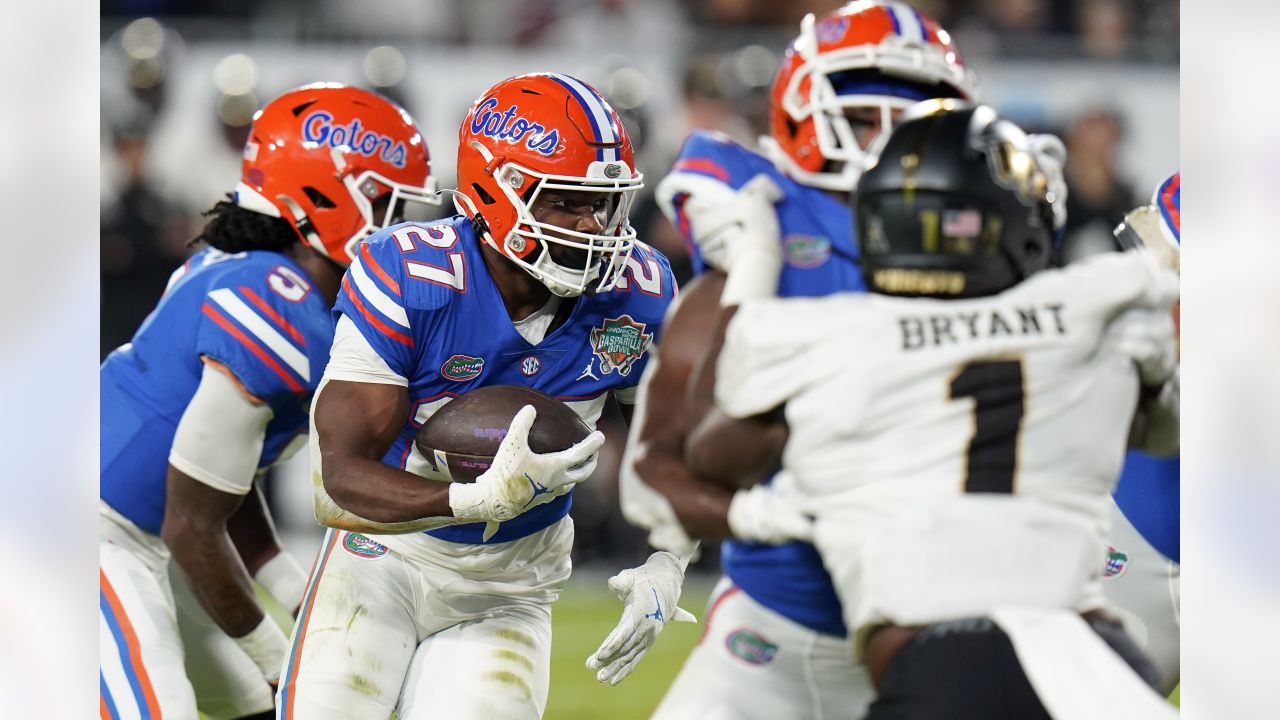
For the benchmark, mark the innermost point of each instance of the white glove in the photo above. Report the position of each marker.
(1146, 336)
(740, 235)
(649, 593)
(1051, 158)
(764, 514)
(520, 479)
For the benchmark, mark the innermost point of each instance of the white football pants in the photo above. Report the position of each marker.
(160, 654)
(753, 663)
(1143, 589)
(427, 628)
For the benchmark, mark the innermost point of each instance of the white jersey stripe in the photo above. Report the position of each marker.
(253, 322)
(598, 111)
(907, 21)
(380, 300)
(112, 669)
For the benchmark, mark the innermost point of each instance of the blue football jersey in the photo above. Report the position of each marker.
(1148, 495)
(253, 312)
(422, 296)
(821, 257)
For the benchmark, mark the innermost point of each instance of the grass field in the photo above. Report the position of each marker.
(581, 619)
(586, 612)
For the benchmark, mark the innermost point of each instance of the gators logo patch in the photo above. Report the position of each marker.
(806, 251)
(1117, 563)
(619, 343)
(361, 546)
(750, 647)
(462, 367)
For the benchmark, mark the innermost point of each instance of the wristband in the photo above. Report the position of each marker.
(266, 645)
(466, 503)
(284, 579)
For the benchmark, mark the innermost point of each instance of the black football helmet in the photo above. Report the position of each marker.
(956, 205)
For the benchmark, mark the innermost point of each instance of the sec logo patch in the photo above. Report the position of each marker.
(530, 366)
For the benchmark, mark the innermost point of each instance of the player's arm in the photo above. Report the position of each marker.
(254, 536)
(656, 454)
(211, 467)
(355, 424)
(727, 450)
(675, 394)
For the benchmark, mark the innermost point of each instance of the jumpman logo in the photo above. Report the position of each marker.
(538, 489)
(656, 614)
(588, 372)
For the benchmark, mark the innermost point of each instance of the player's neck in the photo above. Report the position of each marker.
(325, 274)
(522, 294)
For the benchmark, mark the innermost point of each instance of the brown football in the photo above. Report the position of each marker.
(461, 438)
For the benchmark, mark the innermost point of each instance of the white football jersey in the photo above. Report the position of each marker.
(958, 454)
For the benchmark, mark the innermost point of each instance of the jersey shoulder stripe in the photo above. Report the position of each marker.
(718, 156)
(387, 306)
(252, 347)
(367, 258)
(703, 166)
(416, 266)
(233, 305)
(279, 320)
(371, 318)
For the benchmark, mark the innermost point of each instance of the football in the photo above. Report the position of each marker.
(461, 438)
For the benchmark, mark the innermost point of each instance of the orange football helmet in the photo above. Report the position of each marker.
(866, 54)
(546, 131)
(325, 156)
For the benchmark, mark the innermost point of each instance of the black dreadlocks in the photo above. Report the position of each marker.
(233, 229)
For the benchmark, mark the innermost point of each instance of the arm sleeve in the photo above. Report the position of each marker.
(219, 438)
(353, 358)
(372, 299)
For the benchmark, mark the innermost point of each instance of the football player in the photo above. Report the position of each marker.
(432, 599)
(774, 640)
(962, 498)
(214, 389)
(1142, 578)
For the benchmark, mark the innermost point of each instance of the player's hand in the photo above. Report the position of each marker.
(1051, 158)
(768, 514)
(1146, 336)
(519, 478)
(740, 235)
(649, 593)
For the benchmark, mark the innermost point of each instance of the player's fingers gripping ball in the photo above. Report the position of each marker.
(519, 447)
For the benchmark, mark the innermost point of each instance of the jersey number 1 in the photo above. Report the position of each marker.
(996, 389)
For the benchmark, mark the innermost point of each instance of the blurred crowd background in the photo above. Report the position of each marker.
(181, 79)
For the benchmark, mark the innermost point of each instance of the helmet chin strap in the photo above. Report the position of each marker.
(463, 204)
(304, 225)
